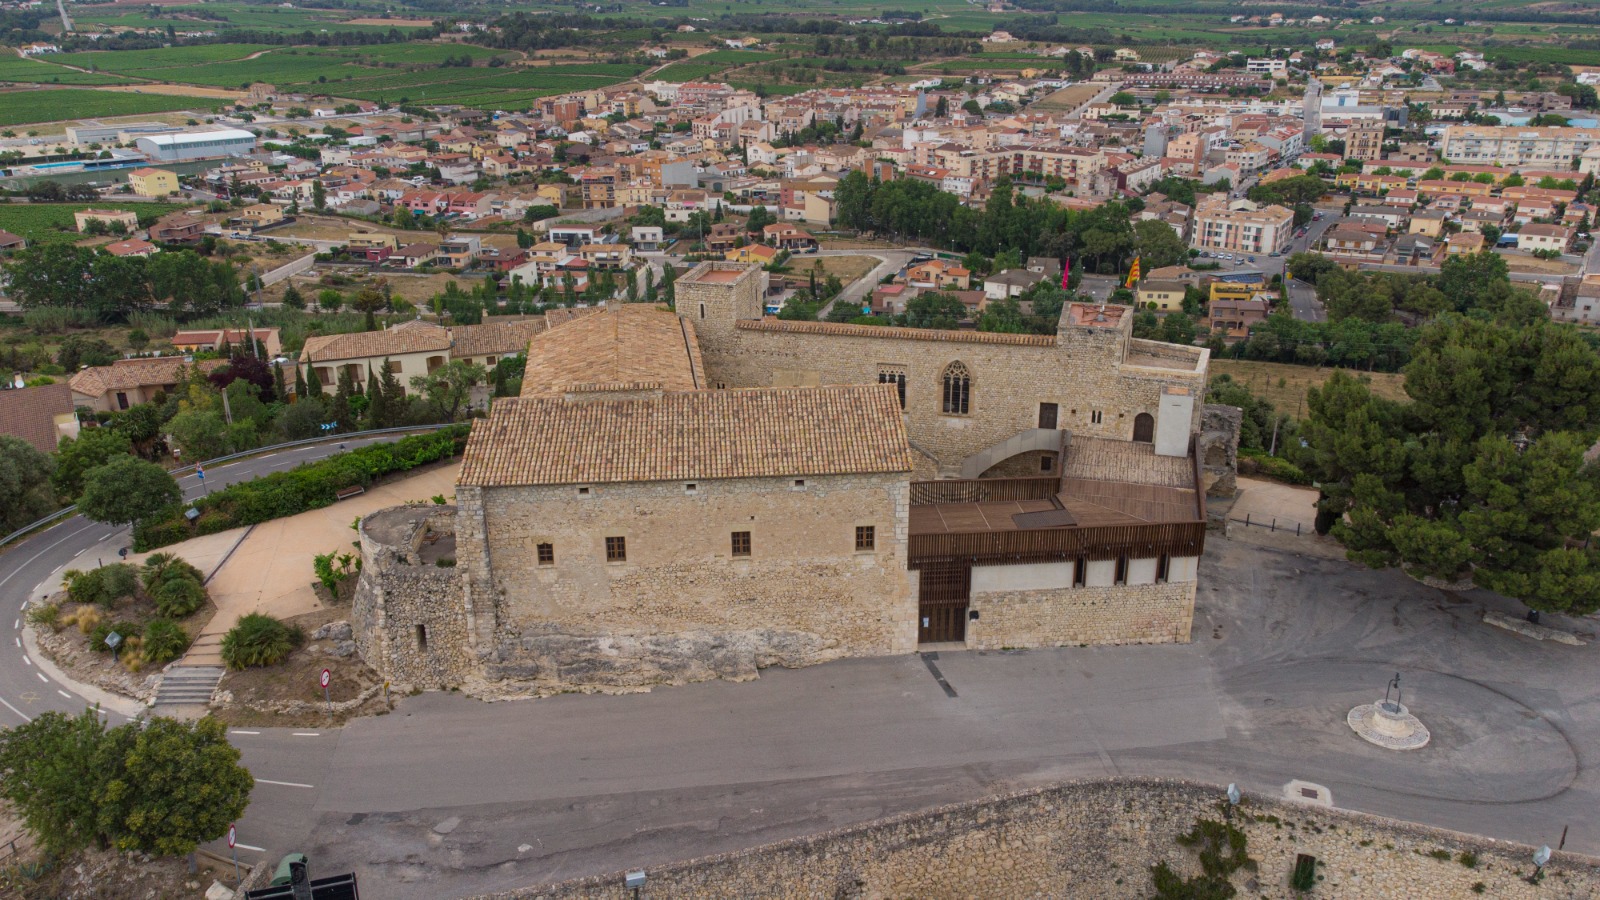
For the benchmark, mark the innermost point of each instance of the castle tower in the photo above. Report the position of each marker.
(715, 296)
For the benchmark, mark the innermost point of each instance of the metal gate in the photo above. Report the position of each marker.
(942, 595)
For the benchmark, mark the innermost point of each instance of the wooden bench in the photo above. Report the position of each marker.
(347, 493)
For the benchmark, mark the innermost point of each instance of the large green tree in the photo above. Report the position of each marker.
(127, 490)
(1158, 245)
(161, 787)
(91, 449)
(1482, 473)
(448, 387)
(25, 492)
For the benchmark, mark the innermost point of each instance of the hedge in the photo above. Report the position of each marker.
(308, 486)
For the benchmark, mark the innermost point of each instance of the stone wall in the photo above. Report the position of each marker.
(407, 616)
(1055, 617)
(1218, 446)
(1083, 370)
(1099, 839)
(682, 607)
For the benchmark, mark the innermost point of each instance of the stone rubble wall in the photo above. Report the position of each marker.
(1120, 614)
(1099, 839)
(1218, 446)
(397, 593)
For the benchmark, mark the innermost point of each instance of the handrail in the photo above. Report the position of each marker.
(69, 510)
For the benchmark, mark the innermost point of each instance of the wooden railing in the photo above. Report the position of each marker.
(983, 490)
(1049, 544)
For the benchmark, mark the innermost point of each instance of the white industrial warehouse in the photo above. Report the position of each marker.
(197, 145)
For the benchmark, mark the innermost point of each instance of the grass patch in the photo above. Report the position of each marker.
(27, 107)
(53, 223)
(1285, 385)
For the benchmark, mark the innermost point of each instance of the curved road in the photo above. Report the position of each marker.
(25, 566)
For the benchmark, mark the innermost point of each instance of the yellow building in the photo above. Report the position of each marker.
(153, 182)
(1230, 290)
(1162, 296)
(752, 253)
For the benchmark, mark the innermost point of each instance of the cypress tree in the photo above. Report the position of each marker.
(277, 383)
(313, 383)
(377, 416)
(343, 418)
(299, 382)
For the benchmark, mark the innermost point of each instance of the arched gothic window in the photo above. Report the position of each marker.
(957, 389)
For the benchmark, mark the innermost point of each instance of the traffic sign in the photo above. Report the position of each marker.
(200, 473)
(327, 677)
(233, 837)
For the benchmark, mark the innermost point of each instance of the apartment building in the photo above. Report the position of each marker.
(1511, 145)
(1242, 226)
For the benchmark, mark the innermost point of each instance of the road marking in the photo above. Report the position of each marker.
(244, 732)
(26, 659)
(43, 552)
(282, 783)
(17, 624)
(305, 734)
(42, 678)
(248, 847)
(64, 693)
(25, 716)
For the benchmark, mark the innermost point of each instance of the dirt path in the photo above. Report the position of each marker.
(177, 90)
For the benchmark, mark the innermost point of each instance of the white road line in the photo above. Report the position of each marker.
(26, 659)
(17, 624)
(25, 716)
(64, 693)
(244, 732)
(305, 734)
(282, 783)
(42, 678)
(248, 847)
(41, 553)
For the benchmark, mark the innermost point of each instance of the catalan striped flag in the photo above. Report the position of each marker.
(1133, 274)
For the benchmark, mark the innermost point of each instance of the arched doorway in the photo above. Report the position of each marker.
(1144, 428)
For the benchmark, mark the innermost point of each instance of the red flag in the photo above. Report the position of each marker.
(1066, 271)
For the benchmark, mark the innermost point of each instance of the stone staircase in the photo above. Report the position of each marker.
(185, 690)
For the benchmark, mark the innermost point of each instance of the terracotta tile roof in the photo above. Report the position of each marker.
(498, 338)
(904, 334)
(132, 373)
(408, 337)
(29, 413)
(689, 435)
(627, 344)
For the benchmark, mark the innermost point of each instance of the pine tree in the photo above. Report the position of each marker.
(376, 415)
(343, 418)
(394, 397)
(293, 299)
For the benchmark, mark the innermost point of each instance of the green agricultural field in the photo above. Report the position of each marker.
(53, 223)
(28, 71)
(26, 107)
(141, 62)
(690, 71)
(506, 88)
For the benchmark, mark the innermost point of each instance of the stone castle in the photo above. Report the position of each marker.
(695, 494)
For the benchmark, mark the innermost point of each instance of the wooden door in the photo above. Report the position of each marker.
(943, 592)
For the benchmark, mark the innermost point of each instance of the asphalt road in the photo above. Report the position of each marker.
(24, 567)
(447, 796)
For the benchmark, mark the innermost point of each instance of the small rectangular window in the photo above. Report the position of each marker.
(583, 492)
(799, 484)
(547, 554)
(616, 549)
(1047, 415)
(1047, 463)
(1121, 576)
(1095, 417)
(1080, 572)
(866, 537)
(1163, 563)
(690, 487)
(422, 638)
(741, 543)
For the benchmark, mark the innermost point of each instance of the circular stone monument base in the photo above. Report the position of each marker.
(1389, 725)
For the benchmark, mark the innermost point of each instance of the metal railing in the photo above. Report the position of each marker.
(187, 469)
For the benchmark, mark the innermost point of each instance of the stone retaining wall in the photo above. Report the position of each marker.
(1123, 614)
(1098, 839)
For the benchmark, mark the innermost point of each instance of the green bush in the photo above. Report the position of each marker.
(164, 641)
(103, 586)
(179, 597)
(163, 566)
(1274, 467)
(259, 640)
(46, 614)
(97, 635)
(311, 486)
